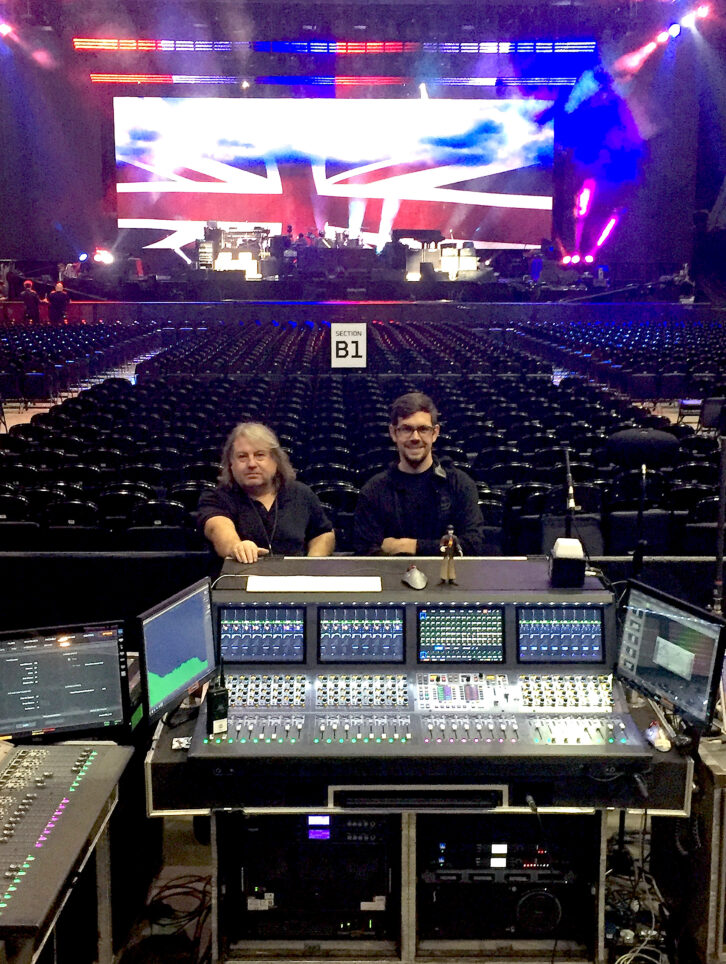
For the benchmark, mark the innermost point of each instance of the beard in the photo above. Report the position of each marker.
(414, 457)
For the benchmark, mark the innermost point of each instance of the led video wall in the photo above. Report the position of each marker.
(476, 170)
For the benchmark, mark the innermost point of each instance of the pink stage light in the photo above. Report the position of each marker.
(567, 259)
(584, 198)
(662, 37)
(589, 259)
(632, 62)
(5, 29)
(607, 231)
(703, 10)
(575, 258)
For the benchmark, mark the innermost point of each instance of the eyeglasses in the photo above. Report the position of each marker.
(408, 431)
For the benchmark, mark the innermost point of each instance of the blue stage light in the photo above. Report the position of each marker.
(674, 29)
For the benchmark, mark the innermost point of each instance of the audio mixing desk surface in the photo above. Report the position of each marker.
(362, 690)
(55, 803)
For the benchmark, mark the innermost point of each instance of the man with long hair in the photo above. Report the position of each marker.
(259, 507)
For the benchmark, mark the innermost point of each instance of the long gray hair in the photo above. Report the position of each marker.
(261, 435)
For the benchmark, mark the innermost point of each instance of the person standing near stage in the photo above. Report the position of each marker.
(31, 301)
(407, 509)
(258, 507)
(58, 301)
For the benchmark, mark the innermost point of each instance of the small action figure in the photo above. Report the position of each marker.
(451, 548)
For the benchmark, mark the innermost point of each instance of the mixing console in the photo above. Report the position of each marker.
(437, 714)
(407, 735)
(53, 800)
(489, 692)
(263, 689)
(364, 690)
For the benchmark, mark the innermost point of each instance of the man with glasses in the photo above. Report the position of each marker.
(406, 509)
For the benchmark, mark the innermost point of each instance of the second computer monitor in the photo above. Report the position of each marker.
(178, 648)
(672, 652)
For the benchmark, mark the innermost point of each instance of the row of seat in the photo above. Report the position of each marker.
(288, 347)
(122, 515)
(43, 362)
(650, 359)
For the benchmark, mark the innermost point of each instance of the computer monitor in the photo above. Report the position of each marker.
(177, 648)
(64, 680)
(671, 651)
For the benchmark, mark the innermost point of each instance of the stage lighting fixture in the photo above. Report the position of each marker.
(589, 259)
(607, 230)
(102, 256)
(674, 29)
(703, 10)
(662, 37)
(583, 200)
(83, 256)
(5, 29)
(567, 259)
(689, 21)
(575, 258)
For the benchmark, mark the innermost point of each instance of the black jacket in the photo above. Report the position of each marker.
(297, 513)
(379, 513)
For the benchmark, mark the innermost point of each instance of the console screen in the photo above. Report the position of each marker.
(262, 634)
(461, 634)
(360, 634)
(560, 634)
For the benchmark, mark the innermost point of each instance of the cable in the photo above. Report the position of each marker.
(195, 889)
(228, 575)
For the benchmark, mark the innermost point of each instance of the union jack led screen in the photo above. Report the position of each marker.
(476, 170)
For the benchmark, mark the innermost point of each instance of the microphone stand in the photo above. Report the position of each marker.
(641, 544)
(570, 506)
(718, 588)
